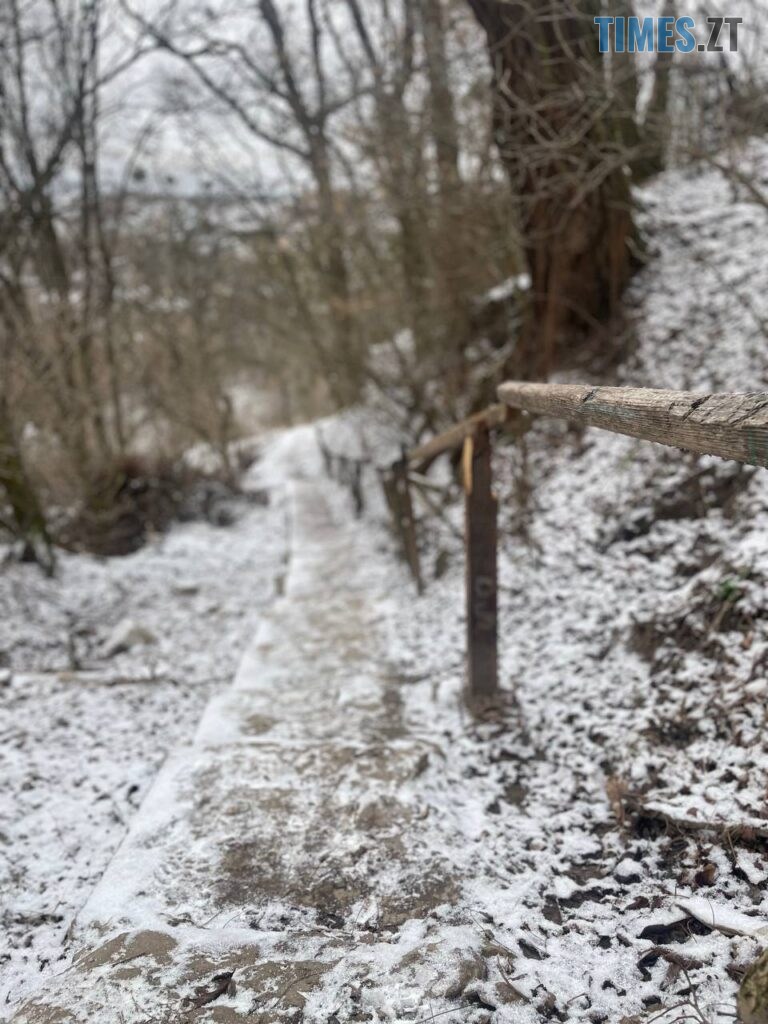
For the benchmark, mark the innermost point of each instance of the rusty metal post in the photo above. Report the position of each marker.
(481, 512)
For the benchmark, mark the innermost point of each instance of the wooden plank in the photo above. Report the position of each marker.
(733, 426)
(425, 484)
(481, 509)
(494, 416)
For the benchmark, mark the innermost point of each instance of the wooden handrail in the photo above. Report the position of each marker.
(474, 436)
(733, 426)
(488, 419)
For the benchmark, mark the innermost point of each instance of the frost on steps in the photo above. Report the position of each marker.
(283, 863)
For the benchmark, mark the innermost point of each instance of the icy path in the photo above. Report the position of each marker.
(283, 866)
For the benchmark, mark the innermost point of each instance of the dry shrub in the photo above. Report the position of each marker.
(139, 497)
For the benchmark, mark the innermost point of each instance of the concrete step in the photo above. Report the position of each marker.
(286, 865)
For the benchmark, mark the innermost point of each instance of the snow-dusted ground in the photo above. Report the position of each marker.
(82, 734)
(633, 631)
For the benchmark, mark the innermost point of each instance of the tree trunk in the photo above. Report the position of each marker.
(336, 274)
(444, 127)
(403, 174)
(564, 153)
(656, 126)
(455, 286)
(28, 519)
(626, 88)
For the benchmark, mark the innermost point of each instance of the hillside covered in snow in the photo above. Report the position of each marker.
(608, 857)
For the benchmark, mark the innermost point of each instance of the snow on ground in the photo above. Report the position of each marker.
(83, 732)
(633, 633)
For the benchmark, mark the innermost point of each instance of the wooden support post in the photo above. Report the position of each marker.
(325, 452)
(386, 478)
(356, 486)
(408, 522)
(481, 508)
(397, 491)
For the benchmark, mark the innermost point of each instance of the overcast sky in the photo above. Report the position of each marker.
(186, 151)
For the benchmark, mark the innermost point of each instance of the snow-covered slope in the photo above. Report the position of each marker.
(633, 633)
(84, 727)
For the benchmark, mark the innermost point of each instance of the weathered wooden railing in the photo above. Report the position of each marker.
(473, 436)
(732, 426)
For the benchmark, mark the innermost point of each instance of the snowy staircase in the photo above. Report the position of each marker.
(284, 866)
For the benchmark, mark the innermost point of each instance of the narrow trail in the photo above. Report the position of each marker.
(283, 867)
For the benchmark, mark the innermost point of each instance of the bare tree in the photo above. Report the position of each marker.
(57, 279)
(28, 521)
(444, 126)
(656, 122)
(30, 163)
(282, 96)
(395, 149)
(566, 160)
